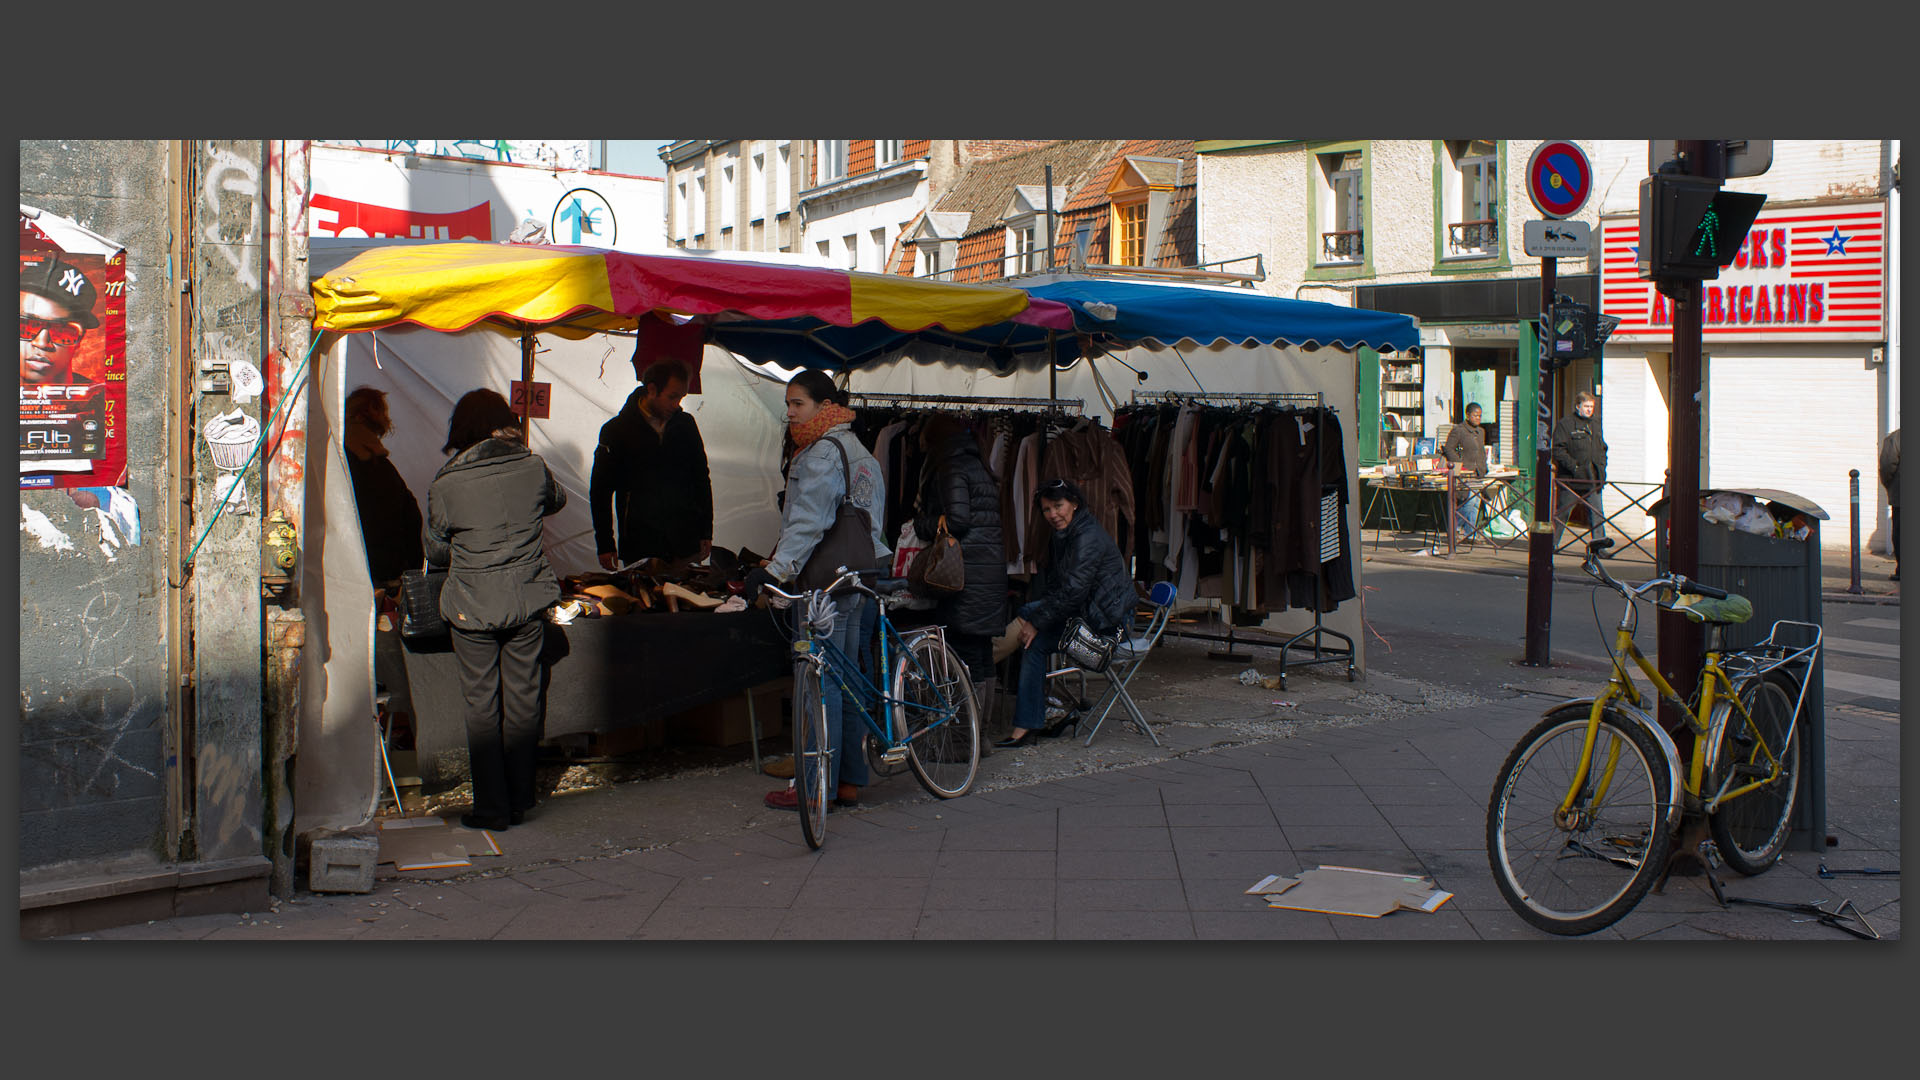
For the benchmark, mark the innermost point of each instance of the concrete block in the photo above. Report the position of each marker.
(343, 864)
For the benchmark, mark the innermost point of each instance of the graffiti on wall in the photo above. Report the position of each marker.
(563, 154)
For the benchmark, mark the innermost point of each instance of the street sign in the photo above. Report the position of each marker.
(1745, 157)
(1559, 178)
(1557, 239)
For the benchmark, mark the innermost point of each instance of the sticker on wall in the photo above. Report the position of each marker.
(582, 216)
(118, 513)
(247, 382)
(73, 375)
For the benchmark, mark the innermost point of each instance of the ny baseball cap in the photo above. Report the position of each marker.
(44, 274)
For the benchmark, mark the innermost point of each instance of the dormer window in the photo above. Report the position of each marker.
(1139, 197)
(936, 243)
(1026, 223)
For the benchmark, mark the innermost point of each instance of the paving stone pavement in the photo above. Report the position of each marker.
(1161, 849)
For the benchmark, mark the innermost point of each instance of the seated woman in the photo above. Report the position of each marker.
(1083, 574)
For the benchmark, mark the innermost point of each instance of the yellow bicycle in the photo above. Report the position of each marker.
(1583, 815)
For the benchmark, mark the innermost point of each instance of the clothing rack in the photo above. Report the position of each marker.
(959, 402)
(1313, 636)
(1202, 397)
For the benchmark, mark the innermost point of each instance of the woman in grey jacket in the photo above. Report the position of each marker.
(484, 511)
(819, 420)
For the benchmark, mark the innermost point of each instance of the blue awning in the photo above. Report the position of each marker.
(1139, 312)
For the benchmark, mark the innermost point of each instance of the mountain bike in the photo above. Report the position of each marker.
(1585, 810)
(924, 714)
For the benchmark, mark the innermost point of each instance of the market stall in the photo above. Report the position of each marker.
(436, 320)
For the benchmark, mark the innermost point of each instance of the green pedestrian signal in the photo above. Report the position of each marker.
(1689, 228)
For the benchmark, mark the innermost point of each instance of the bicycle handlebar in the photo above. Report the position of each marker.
(1679, 583)
(847, 577)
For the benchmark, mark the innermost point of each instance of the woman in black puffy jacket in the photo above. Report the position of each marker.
(1084, 575)
(955, 484)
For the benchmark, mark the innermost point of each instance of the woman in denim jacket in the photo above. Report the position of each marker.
(817, 414)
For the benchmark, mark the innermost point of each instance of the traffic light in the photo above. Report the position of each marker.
(1689, 228)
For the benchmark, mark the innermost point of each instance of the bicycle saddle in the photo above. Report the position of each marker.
(1706, 609)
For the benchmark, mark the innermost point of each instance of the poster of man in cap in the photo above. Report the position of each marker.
(73, 389)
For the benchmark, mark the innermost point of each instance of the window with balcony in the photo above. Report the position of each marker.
(1340, 207)
(1470, 174)
(833, 159)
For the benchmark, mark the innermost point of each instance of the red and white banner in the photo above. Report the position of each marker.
(1805, 273)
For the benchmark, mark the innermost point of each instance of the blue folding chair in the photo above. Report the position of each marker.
(1127, 658)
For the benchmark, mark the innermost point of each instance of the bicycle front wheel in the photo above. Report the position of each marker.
(1751, 828)
(810, 754)
(936, 714)
(1580, 870)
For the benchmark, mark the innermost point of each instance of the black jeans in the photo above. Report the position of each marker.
(506, 697)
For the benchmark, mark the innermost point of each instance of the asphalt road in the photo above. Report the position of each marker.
(1453, 627)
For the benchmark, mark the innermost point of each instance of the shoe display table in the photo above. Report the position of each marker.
(603, 674)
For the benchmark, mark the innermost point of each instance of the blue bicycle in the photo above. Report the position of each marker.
(925, 715)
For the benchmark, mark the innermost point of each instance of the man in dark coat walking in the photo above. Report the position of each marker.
(650, 487)
(1580, 462)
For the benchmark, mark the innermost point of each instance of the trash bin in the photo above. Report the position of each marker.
(1782, 580)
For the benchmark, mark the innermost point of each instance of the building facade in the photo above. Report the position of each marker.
(1800, 335)
(1429, 228)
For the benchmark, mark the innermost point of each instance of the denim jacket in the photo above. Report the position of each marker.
(815, 486)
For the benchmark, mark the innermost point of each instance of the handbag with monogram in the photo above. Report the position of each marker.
(940, 568)
(1086, 649)
(420, 603)
(848, 541)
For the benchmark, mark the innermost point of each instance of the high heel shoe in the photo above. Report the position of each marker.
(1012, 742)
(1060, 727)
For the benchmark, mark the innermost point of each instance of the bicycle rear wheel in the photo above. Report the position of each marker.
(1751, 829)
(937, 715)
(810, 754)
(1578, 872)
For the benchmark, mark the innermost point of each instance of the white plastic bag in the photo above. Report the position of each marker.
(1755, 519)
(905, 548)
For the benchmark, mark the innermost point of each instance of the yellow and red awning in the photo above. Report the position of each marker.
(576, 291)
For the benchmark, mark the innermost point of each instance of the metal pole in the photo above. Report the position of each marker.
(1540, 536)
(526, 387)
(1050, 236)
(1853, 480)
(1681, 640)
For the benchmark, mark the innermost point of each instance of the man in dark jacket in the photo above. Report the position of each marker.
(650, 486)
(1580, 462)
(1466, 450)
(1084, 576)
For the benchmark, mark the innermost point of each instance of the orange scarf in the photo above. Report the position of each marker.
(807, 432)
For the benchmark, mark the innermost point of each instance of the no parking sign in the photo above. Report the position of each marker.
(1559, 178)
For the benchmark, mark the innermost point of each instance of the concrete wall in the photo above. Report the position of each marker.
(227, 230)
(94, 757)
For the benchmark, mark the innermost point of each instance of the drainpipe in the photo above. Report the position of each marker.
(289, 328)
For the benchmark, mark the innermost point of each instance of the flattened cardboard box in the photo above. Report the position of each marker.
(1346, 890)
